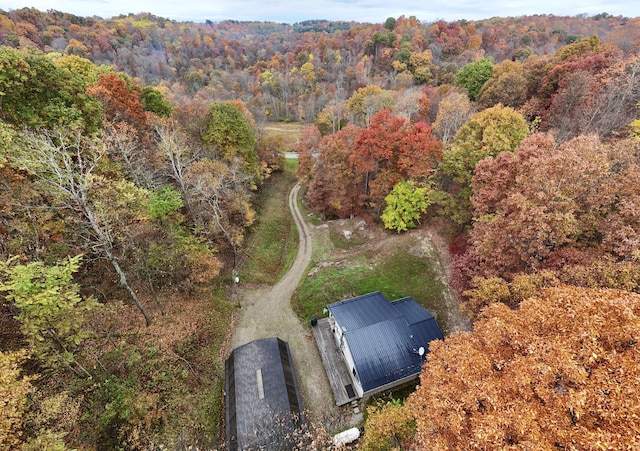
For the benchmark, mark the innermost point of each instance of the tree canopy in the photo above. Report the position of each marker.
(561, 371)
(56, 95)
(485, 135)
(474, 75)
(229, 133)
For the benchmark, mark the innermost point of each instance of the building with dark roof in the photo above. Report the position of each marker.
(262, 396)
(383, 343)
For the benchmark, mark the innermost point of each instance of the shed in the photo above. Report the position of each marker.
(262, 394)
(383, 343)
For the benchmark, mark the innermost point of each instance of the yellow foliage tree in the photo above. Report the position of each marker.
(14, 390)
(388, 427)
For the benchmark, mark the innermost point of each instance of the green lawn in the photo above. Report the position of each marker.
(400, 274)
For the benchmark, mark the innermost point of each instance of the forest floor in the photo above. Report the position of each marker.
(266, 310)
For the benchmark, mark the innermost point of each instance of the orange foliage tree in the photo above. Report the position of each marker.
(121, 103)
(561, 372)
(335, 189)
(391, 149)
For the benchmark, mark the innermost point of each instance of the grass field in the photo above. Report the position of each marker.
(398, 274)
(290, 132)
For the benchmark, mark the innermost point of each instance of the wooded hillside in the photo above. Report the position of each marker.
(132, 150)
(292, 72)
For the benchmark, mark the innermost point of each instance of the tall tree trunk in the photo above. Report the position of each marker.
(106, 243)
(125, 283)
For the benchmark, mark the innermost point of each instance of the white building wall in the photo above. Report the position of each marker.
(357, 385)
(341, 342)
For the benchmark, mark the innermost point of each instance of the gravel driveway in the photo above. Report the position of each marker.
(266, 312)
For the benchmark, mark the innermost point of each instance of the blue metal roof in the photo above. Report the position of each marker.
(384, 337)
(362, 311)
(411, 310)
(383, 353)
(423, 325)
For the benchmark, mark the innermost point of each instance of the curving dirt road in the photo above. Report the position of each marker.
(266, 312)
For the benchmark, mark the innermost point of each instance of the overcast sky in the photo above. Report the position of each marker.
(291, 11)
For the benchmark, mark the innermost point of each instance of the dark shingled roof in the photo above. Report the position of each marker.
(262, 395)
(384, 337)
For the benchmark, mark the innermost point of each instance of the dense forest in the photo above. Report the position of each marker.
(132, 152)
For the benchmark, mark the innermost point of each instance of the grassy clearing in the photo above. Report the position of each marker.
(289, 132)
(273, 242)
(399, 274)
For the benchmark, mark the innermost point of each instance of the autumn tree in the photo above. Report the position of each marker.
(391, 149)
(570, 209)
(560, 371)
(389, 426)
(152, 100)
(486, 134)
(411, 104)
(474, 75)
(331, 118)
(37, 93)
(271, 152)
(405, 204)
(220, 200)
(82, 66)
(306, 147)
(334, 188)
(366, 102)
(536, 201)
(67, 165)
(228, 132)
(573, 89)
(607, 104)
(138, 162)
(507, 86)
(14, 389)
(28, 226)
(51, 311)
(453, 111)
(121, 103)
(421, 66)
(618, 199)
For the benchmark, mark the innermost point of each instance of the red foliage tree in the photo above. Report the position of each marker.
(391, 149)
(335, 189)
(534, 202)
(544, 207)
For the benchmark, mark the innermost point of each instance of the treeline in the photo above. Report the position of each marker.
(292, 72)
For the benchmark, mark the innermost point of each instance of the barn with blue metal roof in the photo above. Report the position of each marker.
(383, 343)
